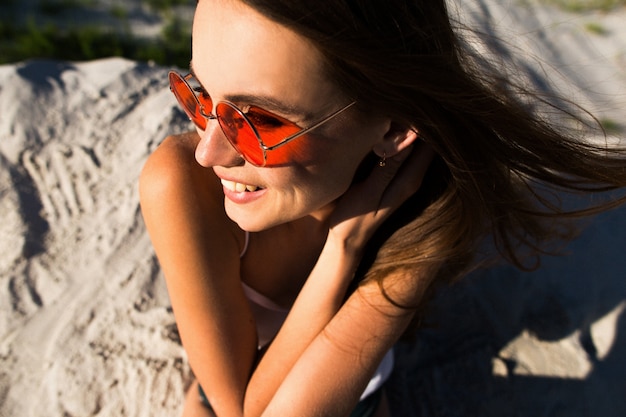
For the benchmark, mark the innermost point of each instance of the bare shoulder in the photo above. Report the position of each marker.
(174, 189)
(175, 155)
(172, 169)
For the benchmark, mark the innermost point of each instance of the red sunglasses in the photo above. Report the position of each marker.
(253, 133)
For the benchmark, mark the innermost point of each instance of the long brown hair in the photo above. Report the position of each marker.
(497, 157)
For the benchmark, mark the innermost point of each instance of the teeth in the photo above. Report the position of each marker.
(238, 187)
(229, 185)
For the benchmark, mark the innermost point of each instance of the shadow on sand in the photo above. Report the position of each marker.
(449, 369)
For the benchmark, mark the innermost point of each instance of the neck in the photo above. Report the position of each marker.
(312, 228)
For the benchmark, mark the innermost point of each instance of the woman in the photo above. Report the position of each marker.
(349, 157)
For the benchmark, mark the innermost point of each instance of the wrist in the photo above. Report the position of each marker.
(343, 249)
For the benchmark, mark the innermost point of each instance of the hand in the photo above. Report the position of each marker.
(366, 205)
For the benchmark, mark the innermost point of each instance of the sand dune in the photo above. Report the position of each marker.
(85, 324)
(85, 320)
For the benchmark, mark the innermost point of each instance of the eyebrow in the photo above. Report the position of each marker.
(265, 102)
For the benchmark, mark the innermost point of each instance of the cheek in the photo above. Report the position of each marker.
(301, 151)
(306, 188)
(320, 168)
(337, 151)
(327, 180)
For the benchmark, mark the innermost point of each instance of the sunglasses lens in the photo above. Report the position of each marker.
(239, 132)
(271, 128)
(191, 103)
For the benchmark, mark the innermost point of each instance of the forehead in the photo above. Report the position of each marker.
(236, 50)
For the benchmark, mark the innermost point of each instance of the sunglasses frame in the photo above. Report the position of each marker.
(173, 76)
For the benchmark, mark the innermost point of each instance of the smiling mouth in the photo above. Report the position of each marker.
(239, 187)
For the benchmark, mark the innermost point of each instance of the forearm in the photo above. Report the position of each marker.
(220, 342)
(330, 374)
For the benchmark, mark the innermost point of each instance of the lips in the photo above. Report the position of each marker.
(239, 187)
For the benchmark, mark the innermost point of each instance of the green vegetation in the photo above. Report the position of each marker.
(610, 126)
(119, 12)
(79, 43)
(586, 5)
(87, 43)
(596, 29)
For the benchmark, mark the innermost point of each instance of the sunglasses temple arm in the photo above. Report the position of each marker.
(307, 129)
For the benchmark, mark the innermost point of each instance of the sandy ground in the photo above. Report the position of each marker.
(85, 323)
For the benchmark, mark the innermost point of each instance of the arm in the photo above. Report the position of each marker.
(327, 350)
(198, 248)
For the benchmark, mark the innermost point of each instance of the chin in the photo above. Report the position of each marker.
(254, 223)
(251, 223)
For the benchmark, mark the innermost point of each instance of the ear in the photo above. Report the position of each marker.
(397, 138)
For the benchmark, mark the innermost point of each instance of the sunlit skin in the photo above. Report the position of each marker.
(309, 223)
(237, 52)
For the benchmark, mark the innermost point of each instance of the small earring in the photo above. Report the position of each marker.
(383, 160)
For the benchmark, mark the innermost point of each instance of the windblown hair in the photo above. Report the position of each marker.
(497, 155)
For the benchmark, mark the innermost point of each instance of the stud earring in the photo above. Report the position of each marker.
(383, 160)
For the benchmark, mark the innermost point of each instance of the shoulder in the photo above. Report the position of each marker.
(171, 170)
(174, 190)
(173, 158)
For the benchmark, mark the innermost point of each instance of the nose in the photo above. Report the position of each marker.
(214, 149)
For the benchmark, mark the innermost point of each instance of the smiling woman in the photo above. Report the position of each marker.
(348, 159)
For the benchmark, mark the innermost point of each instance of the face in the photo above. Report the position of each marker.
(244, 58)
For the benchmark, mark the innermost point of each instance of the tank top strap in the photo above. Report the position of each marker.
(261, 300)
(245, 244)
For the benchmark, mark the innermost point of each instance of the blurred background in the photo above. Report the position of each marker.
(155, 31)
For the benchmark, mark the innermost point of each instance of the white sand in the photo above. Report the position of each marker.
(85, 325)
